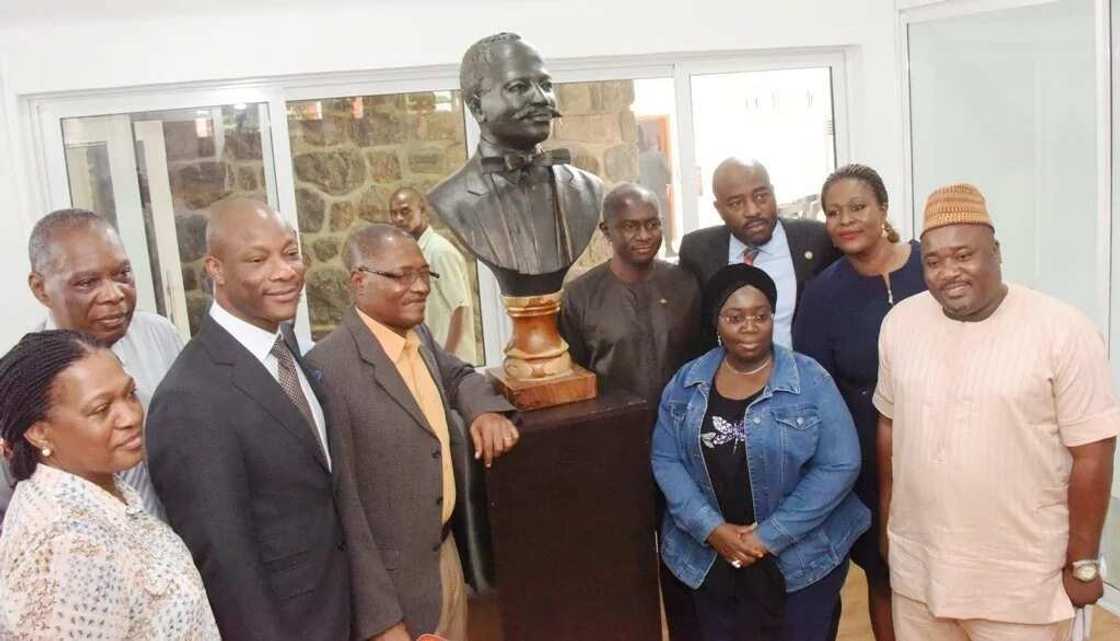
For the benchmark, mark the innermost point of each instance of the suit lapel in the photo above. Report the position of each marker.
(478, 185)
(570, 200)
(802, 265)
(384, 370)
(250, 376)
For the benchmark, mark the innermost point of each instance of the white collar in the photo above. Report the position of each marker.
(256, 340)
(772, 247)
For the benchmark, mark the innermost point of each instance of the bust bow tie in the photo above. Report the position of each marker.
(515, 161)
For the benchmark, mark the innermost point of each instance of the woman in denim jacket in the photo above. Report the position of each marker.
(756, 454)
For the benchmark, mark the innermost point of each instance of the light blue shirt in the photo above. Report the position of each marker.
(774, 259)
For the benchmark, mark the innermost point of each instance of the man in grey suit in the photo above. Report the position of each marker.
(240, 452)
(791, 251)
(389, 391)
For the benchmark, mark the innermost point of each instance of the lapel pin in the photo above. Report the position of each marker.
(664, 302)
(808, 255)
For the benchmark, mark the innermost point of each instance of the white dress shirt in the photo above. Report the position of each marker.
(259, 343)
(146, 352)
(774, 259)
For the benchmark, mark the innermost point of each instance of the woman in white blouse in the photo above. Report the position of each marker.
(79, 556)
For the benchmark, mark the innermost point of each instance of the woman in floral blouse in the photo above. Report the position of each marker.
(79, 556)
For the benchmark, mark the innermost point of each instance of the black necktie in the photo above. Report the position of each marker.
(521, 162)
(289, 381)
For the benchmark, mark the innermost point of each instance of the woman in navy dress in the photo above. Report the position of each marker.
(838, 322)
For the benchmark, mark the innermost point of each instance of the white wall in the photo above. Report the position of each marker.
(46, 53)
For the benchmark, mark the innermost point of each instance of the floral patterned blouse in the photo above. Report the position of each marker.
(77, 563)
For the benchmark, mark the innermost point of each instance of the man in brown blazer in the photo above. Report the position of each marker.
(389, 390)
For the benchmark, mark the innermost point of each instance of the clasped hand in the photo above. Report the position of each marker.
(738, 543)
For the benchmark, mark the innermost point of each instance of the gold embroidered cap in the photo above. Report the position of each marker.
(956, 204)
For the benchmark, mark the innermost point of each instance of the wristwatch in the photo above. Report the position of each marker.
(1086, 570)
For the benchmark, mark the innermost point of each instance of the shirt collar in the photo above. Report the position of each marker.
(60, 482)
(487, 149)
(772, 247)
(425, 237)
(256, 340)
(393, 343)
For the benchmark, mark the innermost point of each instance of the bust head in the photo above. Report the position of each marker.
(508, 90)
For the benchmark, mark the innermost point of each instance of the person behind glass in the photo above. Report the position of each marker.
(80, 557)
(842, 310)
(757, 455)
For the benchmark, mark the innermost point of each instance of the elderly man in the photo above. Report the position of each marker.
(634, 320)
(791, 251)
(390, 389)
(448, 313)
(240, 452)
(996, 438)
(81, 274)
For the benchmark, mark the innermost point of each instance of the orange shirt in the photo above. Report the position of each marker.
(983, 415)
(404, 351)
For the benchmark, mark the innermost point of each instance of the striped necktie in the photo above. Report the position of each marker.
(749, 254)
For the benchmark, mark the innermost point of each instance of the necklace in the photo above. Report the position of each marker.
(753, 371)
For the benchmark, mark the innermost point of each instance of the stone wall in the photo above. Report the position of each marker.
(201, 172)
(601, 131)
(349, 155)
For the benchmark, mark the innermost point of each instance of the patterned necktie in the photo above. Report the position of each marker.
(289, 381)
(749, 254)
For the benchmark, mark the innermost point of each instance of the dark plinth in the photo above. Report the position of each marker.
(571, 514)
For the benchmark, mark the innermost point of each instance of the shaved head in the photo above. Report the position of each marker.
(371, 241)
(625, 196)
(734, 168)
(230, 217)
(745, 200)
(253, 259)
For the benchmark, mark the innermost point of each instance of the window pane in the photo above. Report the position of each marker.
(154, 174)
(620, 130)
(783, 118)
(992, 107)
(349, 155)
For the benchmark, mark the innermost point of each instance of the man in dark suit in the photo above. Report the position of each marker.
(524, 212)
(239, 450)
(390, 389)
(791, 251)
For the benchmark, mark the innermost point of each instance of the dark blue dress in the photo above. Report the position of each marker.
(838, 321)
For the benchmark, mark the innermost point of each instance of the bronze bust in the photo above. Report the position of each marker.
(526, 213)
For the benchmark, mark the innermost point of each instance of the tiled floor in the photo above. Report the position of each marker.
(854, 625)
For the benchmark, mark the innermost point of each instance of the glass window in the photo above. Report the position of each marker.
(349, 156)
(783, 118)
(992, 107)
(620, 130)
(154, 174)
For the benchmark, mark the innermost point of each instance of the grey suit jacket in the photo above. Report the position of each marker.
(472, 211)
(704, 251)
(247, 487)
(391, 489)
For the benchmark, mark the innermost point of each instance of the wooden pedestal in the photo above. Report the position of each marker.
(571, 517)
(577, 385)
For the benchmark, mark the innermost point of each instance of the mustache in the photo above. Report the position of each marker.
(536, 109)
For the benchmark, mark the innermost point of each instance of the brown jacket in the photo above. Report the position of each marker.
(391, 492)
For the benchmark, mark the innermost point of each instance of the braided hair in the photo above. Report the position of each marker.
(869, 177)
(27, 375)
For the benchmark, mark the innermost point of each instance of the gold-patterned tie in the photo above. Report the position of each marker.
(289, 381)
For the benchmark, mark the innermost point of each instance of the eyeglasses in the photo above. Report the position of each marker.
(736, 319)
(405, 278)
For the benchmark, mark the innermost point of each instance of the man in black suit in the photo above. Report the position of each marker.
(790, 250)
(239, 450)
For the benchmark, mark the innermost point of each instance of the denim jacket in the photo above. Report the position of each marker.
(802, 457)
